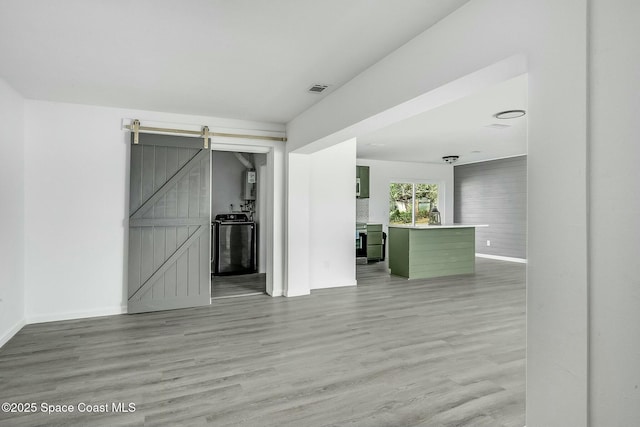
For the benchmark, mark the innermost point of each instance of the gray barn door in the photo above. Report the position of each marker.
(169, 224)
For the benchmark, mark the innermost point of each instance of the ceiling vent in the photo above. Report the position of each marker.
(497, 126)
(317, 88)
(450, 159)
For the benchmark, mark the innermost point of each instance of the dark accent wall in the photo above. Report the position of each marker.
(494, 193)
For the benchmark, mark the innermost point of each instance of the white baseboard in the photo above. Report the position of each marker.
(11, 332)
(54, 317)
(339, 285)
(296, 294)
(502, 258)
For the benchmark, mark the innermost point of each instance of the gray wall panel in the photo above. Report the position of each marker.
(494, 193)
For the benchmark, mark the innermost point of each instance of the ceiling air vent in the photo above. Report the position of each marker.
(497, 126)
(450, 159)
(317, 88)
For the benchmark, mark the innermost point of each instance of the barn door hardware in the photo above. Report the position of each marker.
(205, 135)
(136, 131)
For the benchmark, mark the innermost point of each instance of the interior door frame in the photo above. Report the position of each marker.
(275, 202)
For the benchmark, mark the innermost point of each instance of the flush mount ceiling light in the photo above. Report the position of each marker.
(510, 114)
(450, 159)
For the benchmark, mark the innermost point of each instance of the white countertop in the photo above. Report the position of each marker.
(433, 227)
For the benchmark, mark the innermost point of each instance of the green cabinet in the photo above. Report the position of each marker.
(374, 242)
(426, 252)
(374, 252)
(362, 182)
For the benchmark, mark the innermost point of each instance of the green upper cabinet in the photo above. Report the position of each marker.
(362, 182)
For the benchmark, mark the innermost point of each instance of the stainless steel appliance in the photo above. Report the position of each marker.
(361, 243)
(234, 244)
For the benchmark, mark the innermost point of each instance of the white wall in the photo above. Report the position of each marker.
(298, 232)
(614, 212)
(382, 173)
(11, 212)
(76, 196)
(226, 185)
(553, 37)
(227, 175)
(332, 217)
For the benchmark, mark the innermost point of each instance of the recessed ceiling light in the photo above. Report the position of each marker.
(375, 144)
(510, 114)
(476, 151)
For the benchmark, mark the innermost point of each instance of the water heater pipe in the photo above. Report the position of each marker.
(247, 164)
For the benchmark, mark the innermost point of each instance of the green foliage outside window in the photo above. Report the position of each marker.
(402, 202)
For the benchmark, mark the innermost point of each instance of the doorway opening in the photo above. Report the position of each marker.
(238, 232)
(487, 186)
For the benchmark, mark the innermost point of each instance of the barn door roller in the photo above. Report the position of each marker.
(205, 135)
(136, 131)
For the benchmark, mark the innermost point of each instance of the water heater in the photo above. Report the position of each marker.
(249, 179)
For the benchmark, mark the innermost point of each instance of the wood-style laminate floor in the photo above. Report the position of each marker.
(391, 352)
(242, 284)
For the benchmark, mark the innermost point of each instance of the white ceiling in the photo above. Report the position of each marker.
(458, 128)
(244, 59)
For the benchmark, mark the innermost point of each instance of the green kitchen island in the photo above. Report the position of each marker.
(425, 251)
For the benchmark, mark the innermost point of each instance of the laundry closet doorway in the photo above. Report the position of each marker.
(238, 211)
(267, 159)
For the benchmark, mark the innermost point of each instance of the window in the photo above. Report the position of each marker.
(410, 203)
